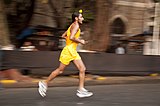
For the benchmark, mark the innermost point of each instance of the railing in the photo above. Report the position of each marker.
(43, 62)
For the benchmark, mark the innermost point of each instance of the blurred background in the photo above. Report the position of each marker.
(128, 27)
(109, 24)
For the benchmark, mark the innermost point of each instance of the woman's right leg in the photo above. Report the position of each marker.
(43, 85)
(56, 72)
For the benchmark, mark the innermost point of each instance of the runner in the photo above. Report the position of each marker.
(68, 54)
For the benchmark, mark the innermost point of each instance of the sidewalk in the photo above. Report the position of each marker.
(72, 80)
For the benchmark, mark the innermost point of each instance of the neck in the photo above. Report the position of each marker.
(76, 23)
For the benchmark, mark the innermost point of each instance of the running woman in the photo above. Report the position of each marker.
(68, 54)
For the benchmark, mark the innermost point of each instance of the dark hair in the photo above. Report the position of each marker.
(74, 15)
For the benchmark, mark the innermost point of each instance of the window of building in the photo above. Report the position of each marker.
(118, 27)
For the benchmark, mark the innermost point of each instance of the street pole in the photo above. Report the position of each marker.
(156, 30)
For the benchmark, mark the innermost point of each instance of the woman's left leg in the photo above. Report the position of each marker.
(81, 67)
(81, 92)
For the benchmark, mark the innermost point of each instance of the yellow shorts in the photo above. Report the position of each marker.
(68, 54)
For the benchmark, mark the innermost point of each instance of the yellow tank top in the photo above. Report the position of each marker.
(70, 42)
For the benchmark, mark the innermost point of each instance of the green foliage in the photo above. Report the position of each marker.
(7, 1)
(157, 0)
(88, 15)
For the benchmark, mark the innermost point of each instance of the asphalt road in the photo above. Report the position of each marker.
(104, 95)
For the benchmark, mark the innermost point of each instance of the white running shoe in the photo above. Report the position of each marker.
(42, 88)
(84, 93)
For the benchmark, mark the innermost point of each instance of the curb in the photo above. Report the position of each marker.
(90, 80)
(8, 81)
(14, 81)
(90, 77)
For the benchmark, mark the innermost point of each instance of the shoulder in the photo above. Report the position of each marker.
(74, 26)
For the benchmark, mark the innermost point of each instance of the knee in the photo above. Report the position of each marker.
(60, 71)
(82, 69)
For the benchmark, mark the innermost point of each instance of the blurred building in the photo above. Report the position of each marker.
(128, 19)
(129, 22)
(23, 15)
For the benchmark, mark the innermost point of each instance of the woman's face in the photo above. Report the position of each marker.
(80, 18)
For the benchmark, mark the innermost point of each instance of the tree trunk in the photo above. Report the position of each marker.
(4, 31)
(101, 31)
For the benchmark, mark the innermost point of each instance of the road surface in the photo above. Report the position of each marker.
(104, 95)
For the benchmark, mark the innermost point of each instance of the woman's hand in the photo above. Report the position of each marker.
(83, 41)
